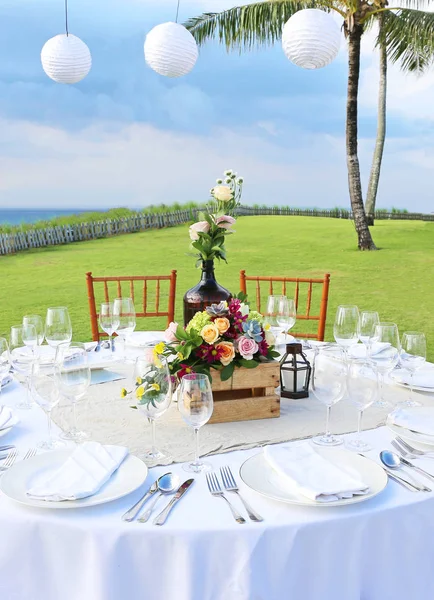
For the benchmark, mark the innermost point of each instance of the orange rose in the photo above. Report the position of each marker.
(222, 324)
(228, 352)
(210, 333)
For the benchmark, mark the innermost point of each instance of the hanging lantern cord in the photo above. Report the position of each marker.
(177, 11)
(66, 17)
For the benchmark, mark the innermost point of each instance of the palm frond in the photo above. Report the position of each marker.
(409, 38)
(245, 27)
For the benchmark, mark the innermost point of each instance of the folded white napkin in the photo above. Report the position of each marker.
(7, 418)
(359, 350)
(423, 378)
(88, 468)
(303, 470)
(139, 339)
(419, 419)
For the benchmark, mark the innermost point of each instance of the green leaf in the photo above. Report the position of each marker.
(249, 364)
(181, 333)
(273, 354)
(227, 372)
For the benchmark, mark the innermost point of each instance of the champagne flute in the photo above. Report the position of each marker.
(37, 321)
(45, 392)
(412, 358)
(345, 328)
(328, 385)
(153, 392)
(362, 386)
(58, 329)
(22, 362)
(286, 314)
(386, 360)
(124, 316)
(30, 337)
(195, 403)
(107, 321)
(367, 321)
(5, 361)
(73, 378)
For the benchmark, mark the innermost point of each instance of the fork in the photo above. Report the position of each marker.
(9, 461)
(404, 458)
(216, 490)
(415, 451)
(31, 452)
(231, 486)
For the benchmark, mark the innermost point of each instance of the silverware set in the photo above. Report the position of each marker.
(401, 462)
(11, 457)
(230, 485)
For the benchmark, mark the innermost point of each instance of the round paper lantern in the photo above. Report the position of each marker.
(171, 50)
(66, 58)
(311, 38)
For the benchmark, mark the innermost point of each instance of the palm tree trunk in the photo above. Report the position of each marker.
(371, 195)
(365, 241)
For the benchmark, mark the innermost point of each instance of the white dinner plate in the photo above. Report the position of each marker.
(5, 431)
(401, 378)
(141, 339)
(18, 479)
(416, 439)
(96, 360)
(258, 474)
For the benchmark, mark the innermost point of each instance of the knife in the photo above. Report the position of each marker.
(132, 513)
(161, 519)
(407, 484)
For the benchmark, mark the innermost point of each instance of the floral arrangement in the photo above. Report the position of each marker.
(215, 223)
(222, 337)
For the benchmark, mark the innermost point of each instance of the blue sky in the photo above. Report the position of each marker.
(127, 136)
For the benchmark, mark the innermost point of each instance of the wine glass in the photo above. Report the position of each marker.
(5, 361)
(30, 337)
(73, 378)
(195, 403)
(328, 384)
(107, 321)
(22, 362)
(58, 329)
(345, 328)
(412, 358)
(386, 360)
(37, 321)
(286, 314)
(124, 316)
(270, 316)
(362, 386)
(367, 321)
(153, 392)
(45, 392)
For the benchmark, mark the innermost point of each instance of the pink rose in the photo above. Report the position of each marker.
(170, 333)
(247, 347)
(199, 227)
(225, 222)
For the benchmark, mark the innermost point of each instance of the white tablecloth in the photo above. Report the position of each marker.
(378, 550)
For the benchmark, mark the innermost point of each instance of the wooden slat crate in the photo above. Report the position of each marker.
(248, 395)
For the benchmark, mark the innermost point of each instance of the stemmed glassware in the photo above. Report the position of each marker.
(270, 316)
(328, 385)
(386, 360)
(367, 321)
(73, 378)
(58, 328)
(38, 323)
(195, 403)
(30, 337)
(22, 362)
(5, 361)
(124, 316)
(153, 392)
(362, 386)
(45, 392)
(107, 321)
(412, 358)
(345, 328)
(286, 314)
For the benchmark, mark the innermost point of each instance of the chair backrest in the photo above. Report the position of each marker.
(145, 304)
(306, 291)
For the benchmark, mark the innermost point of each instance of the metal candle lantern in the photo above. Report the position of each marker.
(295, 371)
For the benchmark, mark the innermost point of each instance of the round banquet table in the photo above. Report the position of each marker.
(379, 549)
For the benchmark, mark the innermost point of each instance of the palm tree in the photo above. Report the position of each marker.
(407, 35)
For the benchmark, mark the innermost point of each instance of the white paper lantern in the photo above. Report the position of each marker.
(171, 50)
(311, 38)
(66, 58)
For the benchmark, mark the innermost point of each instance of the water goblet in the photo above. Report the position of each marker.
(195, 403)
(386, 360)
(367, 321)
(412, 358)
(270, 316)
(345, 328)
(22, 362)
(38, 323)
(58, 328)
(153, 393)
(286, 314)
(5, 361)
(328, 385)
(107, 321)
(124, 317)
(72, 374)
(45, 393)
(30, 337)
(362, 386)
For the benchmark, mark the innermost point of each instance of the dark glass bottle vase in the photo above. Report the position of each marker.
(205, 293)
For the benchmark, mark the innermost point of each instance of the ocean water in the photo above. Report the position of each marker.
(15, 217)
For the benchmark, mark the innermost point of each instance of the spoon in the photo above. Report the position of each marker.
(166, 484)
(393, 461)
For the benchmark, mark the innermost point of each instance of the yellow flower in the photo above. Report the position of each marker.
(139, 381)
(222, 324)
(155, 387)
(159, 348)
(179, 355)
(123, 392)
(140, 391)
(210, 333)
(267, 326)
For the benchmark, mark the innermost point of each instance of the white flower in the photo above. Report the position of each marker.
(228, 173)
(228, 180)
(244, 309)
(240, 181)
(269, 337)
(200, 226)
(219, 181)
(222, 193)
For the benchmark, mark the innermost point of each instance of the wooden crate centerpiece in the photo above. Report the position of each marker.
(249, 394)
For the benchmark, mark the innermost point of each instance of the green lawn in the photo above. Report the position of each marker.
(397, 281)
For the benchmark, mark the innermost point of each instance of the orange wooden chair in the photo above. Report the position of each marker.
(142, 283)
(307, 290)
